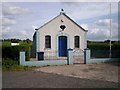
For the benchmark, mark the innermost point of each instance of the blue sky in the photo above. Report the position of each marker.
(19, 19)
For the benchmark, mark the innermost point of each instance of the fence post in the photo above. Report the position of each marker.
(70, 56)
(22, 57)
(87, 56)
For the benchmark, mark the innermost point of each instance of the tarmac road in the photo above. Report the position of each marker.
(33, 79)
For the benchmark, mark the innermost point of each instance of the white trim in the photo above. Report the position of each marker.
(79, 41)
(57, 38)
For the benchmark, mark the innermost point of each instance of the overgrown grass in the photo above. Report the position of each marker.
(6, 43)
(13, 65)
(12, 52)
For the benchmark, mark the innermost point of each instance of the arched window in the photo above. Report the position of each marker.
(76, 41)
(48, 41)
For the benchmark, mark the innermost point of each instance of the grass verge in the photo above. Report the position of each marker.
(13, 65)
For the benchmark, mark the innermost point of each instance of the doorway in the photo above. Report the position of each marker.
(62, 46)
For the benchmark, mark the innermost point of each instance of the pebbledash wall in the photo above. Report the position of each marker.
(46, 62)
(87, 59)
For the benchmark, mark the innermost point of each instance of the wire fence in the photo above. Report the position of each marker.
(53, 55)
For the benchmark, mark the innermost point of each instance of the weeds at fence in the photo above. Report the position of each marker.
(13, 65)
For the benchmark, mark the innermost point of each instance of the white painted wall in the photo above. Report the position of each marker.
(53, 29)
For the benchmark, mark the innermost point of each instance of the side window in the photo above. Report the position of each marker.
(76, 41)
(48, 41)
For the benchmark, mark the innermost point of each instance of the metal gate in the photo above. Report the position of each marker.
(78, 56)
(53, 55)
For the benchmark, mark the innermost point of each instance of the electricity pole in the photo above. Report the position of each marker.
(110, 32)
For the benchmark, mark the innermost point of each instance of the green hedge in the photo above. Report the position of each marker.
(103, 46)
(12, 52)
(116, 46)
(100, 50)
(98, 46)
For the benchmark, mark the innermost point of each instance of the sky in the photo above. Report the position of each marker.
(19, 19)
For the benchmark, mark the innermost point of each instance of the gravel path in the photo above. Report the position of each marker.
(101, 71)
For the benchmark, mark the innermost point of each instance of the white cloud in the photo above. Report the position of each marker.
(9, 9)
(10, 21)
(115, 31)
(6, 29)
(23, 32)
(102, 30)
(107, 33)
(89, 0)
(90, 10)
(7, 32)
(94, 31)
(7, 21)
(79, 12)
(98, 34)
(103, 22)
(61, 1)
(85, 26)
(34, 27)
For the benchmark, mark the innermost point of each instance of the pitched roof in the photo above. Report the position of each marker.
(48, 22)
(65, 16)
(74, 22)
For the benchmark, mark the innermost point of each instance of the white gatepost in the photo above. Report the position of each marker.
(87, 56)
(70, 56)
(22, 58)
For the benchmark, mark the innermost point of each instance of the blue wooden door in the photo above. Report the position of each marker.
(62, 46)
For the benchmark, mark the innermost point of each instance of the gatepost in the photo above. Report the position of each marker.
(70, 56)
(87, 56)
(22, 57)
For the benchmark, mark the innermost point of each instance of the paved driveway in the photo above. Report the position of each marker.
(35, 79)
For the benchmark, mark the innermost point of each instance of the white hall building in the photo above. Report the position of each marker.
(58, 35)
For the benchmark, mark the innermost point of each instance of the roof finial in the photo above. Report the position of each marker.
(62, 11)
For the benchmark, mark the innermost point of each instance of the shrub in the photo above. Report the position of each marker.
(12, 52)
(103, 46)
(12, 65)
(116, 46)
(98, 46)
